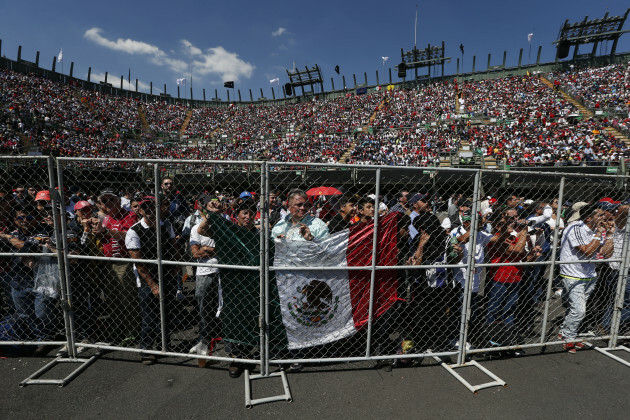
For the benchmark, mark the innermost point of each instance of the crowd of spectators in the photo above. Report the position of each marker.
(599, 87)
(163, 117)
(508, 300)
(416, 107)
(523, 121)
(415, 147)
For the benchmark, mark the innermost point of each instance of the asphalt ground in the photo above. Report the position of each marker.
(550, 385)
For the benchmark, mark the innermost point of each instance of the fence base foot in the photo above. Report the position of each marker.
(472, 388)
(607, 351)
(83, 364)
(249, 402)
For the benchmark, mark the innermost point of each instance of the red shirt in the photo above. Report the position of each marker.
(498, 254)
(121, 223)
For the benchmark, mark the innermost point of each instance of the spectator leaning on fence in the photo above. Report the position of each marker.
(618, 231)
(141, 242)
(120, 291)
(582, 240)
(207, 282)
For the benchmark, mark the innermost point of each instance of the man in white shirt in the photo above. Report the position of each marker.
(141, 242)
(298, 225)
(582, 239)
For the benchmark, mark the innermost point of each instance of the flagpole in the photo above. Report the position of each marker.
(415, 29)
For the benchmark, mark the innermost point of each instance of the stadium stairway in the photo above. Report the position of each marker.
(182, 129)
(143, 119)
(346, 155)
(587, 112)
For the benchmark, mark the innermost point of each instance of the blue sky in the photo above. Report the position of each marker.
(253, 42)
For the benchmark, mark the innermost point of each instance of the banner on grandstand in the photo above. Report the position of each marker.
(307, 308)
(319, 307)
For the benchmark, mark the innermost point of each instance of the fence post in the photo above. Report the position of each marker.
(158, 231)
(621, 288)
(62, 257)
(552, 267)
(373, 273)
(264, 271)
(470, 272)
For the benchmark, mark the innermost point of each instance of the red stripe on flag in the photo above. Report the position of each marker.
(359, 254)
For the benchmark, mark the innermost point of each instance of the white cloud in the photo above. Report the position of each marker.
(190, 48)
(216, 61)
(279, 31)
(125, 45)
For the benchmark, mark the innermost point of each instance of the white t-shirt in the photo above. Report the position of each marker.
(132, 241)
(483, 239)
(201, 240)
(576, 234)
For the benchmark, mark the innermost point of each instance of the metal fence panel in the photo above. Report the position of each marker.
(290, 263)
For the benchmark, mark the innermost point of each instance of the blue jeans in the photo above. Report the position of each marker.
(611, 284)
(151, 332)
(5, 283)
(207, 295)
(150, 314)
(575, 296)
(38, 311)
(502, 302)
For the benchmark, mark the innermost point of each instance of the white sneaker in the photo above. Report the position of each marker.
(558, 292)
(197, 348)
(80, 348)
(63, 351)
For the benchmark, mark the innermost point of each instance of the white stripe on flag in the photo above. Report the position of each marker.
(316, 306)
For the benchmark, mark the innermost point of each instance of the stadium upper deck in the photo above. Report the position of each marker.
(518, 118)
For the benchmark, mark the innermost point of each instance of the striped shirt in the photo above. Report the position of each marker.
(576, 234)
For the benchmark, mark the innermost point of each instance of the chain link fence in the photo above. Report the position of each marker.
(296, 265)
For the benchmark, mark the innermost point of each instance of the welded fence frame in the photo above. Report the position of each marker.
(266, 267)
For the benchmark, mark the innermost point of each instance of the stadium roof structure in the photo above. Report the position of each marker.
(589, 31)
(427, 57)
(300, 78)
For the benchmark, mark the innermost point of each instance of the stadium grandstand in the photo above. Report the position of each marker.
(564, 113)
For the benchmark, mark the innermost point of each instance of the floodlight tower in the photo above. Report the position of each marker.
(589, 31)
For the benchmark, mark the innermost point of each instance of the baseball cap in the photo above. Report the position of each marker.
(81, 204)
(576, 211)
(106, 191)
(43, 195)
(608, 203)
(417, 197)
(147, 202)
(245, 194)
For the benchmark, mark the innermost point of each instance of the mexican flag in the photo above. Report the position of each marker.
(308, 307)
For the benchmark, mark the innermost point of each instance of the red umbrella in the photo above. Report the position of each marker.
(317, 191)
